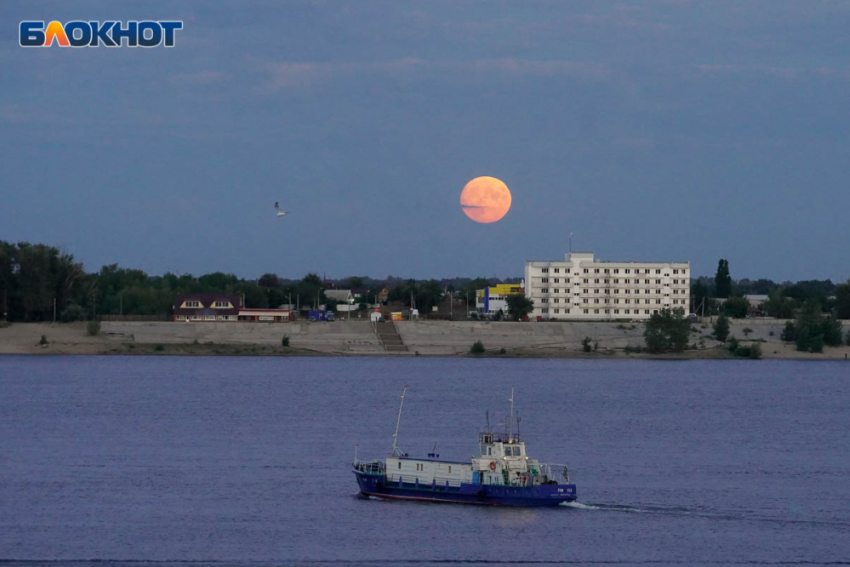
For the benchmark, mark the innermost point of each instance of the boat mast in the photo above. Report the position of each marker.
(511, 419)
(396, 452)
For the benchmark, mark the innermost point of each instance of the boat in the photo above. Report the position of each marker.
(500, 474)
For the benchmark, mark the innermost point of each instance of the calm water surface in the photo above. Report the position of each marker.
(245, 461)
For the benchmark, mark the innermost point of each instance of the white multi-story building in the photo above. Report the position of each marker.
(582, 287)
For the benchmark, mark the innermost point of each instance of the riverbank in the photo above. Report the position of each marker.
(357, 338)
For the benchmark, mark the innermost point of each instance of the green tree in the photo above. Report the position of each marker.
(700, 298)
(722, 280)
(519, 306)
(778, 305)
(667, 331)
(812, 327)
(789, 333)
(721, 328)
(477, 348)
(842, 300)
(269, 281)
(831, 331)
(309, 289)
(736, 307)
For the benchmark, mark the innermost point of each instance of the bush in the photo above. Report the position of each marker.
(752, 352)
(667, 331)
(721, 328)
(789, 333)
(43, 340)
(848, 338)
(585, 344)
(93, 328)
(159, 348)
(503, 351)
(630, 349)
(733, 345)
(816, 343)
(5, 324)
(477, 348)
(595, 346)
(284, 341)
(72, 313)
(747, 331)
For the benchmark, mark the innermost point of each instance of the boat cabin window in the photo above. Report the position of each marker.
(516, 451)
(450, 468)
(399, 465)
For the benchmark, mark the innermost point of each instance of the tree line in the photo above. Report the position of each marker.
(38, 281)
(784, 300)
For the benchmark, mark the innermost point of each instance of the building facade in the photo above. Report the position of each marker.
(493, 298)
(582, 287)
(207, 307)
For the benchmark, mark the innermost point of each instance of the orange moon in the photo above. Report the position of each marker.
(485, 199)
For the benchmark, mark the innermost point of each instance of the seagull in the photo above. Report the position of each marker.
(280, 213)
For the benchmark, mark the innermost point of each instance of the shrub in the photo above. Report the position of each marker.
(747, 331)
(503, 351)
(789, 333)
(93, 328)
(816, 343)
(72, 312)
(748, 351)
(595, 346)
(585, 344)
(770, 333)
(733, 344)
(5, 324)
(159, 348)
(667, 331)
(721, 328)
(631, 349)
(848, 338)
(43, 340)
(621, 327)
(477, 348)
(284, 341)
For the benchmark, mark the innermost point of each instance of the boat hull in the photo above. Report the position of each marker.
(480, 494)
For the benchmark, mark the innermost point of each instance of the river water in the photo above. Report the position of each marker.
(245, 460)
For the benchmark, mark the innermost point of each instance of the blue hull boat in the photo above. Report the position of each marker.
(500, 474)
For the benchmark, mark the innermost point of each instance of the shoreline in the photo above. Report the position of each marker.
(433, 339)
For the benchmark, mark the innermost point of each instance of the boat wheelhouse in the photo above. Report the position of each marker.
(501, 473)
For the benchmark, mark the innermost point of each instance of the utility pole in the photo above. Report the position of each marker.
(54, 309)
(121, 303)
(5, 305)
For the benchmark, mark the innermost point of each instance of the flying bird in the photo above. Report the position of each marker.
(280, 213)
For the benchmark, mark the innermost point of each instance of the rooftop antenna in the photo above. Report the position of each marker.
(511, 420)
(396, 452)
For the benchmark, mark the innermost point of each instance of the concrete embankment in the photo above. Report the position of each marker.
(434, 338)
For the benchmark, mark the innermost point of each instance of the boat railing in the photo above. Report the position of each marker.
(371, 467)
(556, 471)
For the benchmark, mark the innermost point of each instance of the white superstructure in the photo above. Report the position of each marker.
(584, 288)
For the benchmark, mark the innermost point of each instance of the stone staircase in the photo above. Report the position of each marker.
(389, 337)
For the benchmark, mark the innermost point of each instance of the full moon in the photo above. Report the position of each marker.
(485, 199)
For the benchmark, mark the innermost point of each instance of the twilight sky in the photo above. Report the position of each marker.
(653, 130)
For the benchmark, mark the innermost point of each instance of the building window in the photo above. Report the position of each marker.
(224, 304)
(616, 312)
(545, 290)
(606, 270)
(628, 301)
(628, 271)
(584, 300)
(545, 270)
(545, 300)
(192, 303)
(584, 280)
(557, 270)
(585, 270)
(596, 311)
(657, 271)
(546, 280)
(595, 301)
(596, 270)
(545, 310)
(616, 282)
(586, 311)
(557, 310)
(607, 311)
(616, 301)
(616, 270)
(627, 311)
(557, 280)
(556, 300)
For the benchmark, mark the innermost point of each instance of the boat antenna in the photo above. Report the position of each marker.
(511, 419)
(487, 414)
(396, 452)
